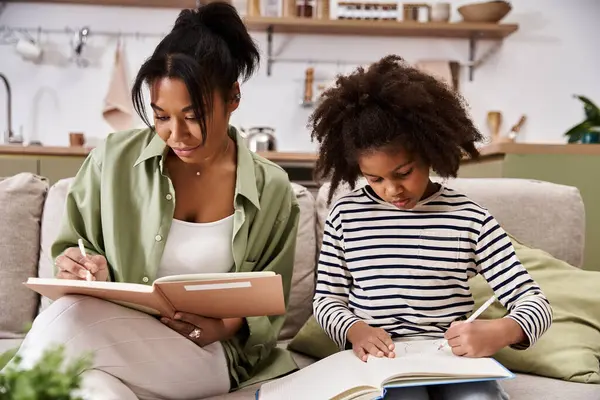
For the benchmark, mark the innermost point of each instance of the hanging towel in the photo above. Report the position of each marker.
(444, 70)
(118, 109)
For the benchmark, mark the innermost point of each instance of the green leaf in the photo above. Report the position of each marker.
(7, 356)
(48, 379)
(576, 132)
(592, 112)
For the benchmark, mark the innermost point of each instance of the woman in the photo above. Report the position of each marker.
(185, 196)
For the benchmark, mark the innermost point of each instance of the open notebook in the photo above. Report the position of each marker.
(343, 376)
(224, 295)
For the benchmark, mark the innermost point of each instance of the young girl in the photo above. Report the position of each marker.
(397, 254)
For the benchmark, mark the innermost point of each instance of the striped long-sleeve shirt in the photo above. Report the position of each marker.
(407, 271)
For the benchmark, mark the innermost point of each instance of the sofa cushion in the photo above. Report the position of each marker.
(22, 200)
(529, 209)
(511, 202)
(54, 209)
(570, 349)
(531, 387)
(303, 284)
(312, 341)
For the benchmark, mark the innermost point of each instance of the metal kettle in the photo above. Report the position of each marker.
(261, 138)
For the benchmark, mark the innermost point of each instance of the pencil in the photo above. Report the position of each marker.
(88, 275)
(476, 314)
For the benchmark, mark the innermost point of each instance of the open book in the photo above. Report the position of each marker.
(223, 295)
(343, 376)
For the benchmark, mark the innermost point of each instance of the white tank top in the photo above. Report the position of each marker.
(196, 248)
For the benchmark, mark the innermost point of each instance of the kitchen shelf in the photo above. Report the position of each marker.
(473, 32)
(441, 30)
(381, 28)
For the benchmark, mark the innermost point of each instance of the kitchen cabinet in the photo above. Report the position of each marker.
(56, 168)
(11, 165)
(54, 163)
(572, 165)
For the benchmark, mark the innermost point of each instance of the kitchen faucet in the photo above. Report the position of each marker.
(9, 137)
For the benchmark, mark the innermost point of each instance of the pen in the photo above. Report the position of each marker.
(476, 314)
(88, 275)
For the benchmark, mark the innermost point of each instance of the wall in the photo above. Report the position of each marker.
(535, 73)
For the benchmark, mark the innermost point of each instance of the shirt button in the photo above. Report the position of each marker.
(145, 279)
(158, 238)
(169, 196)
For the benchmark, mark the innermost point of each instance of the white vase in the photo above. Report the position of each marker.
(440, 12)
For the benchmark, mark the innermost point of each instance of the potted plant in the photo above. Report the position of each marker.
(587, 131)
(48, 379)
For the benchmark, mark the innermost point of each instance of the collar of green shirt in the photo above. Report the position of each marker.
(245, 181)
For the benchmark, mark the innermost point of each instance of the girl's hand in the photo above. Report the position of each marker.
(72, 265)
(201, 330)
(483, 338)
(368, 340)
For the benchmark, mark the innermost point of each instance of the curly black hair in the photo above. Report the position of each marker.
(390, 103)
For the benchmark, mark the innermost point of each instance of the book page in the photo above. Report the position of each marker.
(325, 379)
(217, 276)
(140, 297)
(424, 359)
(421, 346)
(54, 282)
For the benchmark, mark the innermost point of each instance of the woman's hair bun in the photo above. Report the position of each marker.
(223, 20)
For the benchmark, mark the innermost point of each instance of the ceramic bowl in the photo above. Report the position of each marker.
(490, 11)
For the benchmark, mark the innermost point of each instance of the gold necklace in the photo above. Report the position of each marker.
(198, 173)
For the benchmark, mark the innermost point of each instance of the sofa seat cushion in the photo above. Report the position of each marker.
(531, 387)
(21, 203)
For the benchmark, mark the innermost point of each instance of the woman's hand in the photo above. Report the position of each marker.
(368, 340)
(201, 330)
(483, 338)
(72, 265)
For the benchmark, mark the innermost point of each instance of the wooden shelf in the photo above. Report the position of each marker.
(440, 30)
(381, 28)
(328, 27)
(128, 3)
(290, 158)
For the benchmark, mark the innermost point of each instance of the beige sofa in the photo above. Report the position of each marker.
(30, 212)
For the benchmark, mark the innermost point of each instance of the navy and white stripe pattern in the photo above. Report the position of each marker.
(407, 271)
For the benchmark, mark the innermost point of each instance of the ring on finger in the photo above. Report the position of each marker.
(195, 333)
